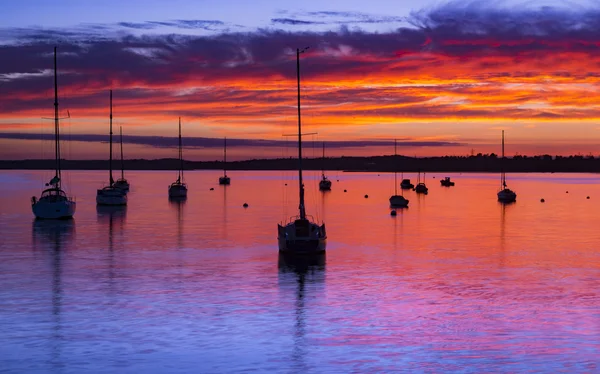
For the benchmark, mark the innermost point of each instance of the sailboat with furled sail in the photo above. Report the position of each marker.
(324, 184)
(397, 201)
(300, 235)
(54, 202)
(179, 188)
(225, 180)
(111, 195)
(505, 195)
(122, 183)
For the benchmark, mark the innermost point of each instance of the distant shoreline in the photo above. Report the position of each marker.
(480, 163)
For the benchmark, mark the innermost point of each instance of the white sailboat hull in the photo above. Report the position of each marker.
(111, 196)
(54, 210)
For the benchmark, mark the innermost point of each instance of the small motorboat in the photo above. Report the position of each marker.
(446, 182)
(421, 187)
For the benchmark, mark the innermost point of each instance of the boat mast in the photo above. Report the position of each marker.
(502, 174)
(56, 126)
(301, 184)
(395, 171)
(180, 155)
(323, 163)
(111, 181)
(225, 158)
(122, 164)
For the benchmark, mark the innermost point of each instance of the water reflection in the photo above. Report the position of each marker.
(178, 203)
(53, 238)
(307, 273)
(113, 217)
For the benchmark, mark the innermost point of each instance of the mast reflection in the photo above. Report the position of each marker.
(111, 216)
(54, 237)
(178, 203)
(308, 274)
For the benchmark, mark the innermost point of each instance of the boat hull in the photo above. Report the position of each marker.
(397, 201)
(507, 196)
(421, 189)
(302, 237)
(178, 191)
(54, 210)
(224, 181)
(113, 196)
(325, 185)
(122, 186)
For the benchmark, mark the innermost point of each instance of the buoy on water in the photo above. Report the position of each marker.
(212, 188)
(345, 190)
(588, 197)
(245, 205)
(542, 200)
(393, 213)
(366, 196)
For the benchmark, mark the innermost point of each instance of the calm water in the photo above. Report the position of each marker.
(456, 282)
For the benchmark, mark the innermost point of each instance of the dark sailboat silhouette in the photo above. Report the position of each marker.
(301, 235)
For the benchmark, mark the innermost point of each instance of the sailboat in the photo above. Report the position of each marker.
(324, 184)
(122, 183)
(54, 202)
(300, 235)
(179, 188)
(505, 195)
(225, 180)
(421, 187)
(397, 201)
(111, 195)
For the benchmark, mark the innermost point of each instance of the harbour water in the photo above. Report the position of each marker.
(456, 282)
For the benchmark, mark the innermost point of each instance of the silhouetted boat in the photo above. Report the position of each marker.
(225, 180)
(505, 195)
(446, 182)
(397, 201)
(301, 235)
(421, 187)
(122, 183)
(324, 184)
(179, 188)
(54, 202)
(111, 195)
(406, 185)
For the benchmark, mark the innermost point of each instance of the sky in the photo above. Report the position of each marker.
(444, 78)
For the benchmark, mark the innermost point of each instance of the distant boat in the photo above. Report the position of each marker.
(406, 185)
(397, 201)
(446, 182)
(122, 183)
(421, 187)
(300, 235)
(505, 195)
(225, 180)
(111, 195)
(179, 188)
(324, 184)
(54, 202)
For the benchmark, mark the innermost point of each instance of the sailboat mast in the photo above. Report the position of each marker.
(110, 141)
(301, 184)
(225, 157)
(56, 125)
(122, 164)
(180, 154)
(395, 171)
(502, 175)
(323, 161)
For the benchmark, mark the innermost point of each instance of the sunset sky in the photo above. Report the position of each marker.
(444, 77)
